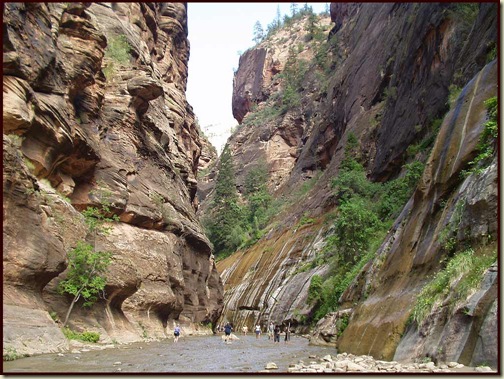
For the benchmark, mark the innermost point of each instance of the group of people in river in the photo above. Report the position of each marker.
(273, 331)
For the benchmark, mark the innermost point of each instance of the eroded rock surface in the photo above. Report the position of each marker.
(393, 67)
(95, 113)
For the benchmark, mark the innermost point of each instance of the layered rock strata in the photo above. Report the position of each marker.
(393, 68)
(95, 114)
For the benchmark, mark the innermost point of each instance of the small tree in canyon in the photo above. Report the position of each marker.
(85, 277)
(86, 266)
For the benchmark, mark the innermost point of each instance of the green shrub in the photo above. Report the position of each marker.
(454, 94)
(487, 142)
(342, 324)
(119, 51)
(354, 227)
(84, 336)
(462, 274)
(314, 291)
(305, 220)
(11, 354)
(365, 213)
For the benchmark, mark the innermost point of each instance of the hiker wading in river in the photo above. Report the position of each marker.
(277, 333)
(176, 333)
(227, 332)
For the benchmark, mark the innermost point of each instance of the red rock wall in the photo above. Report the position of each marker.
(81, 128)
(390, 78)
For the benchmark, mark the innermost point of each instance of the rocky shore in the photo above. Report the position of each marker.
(364, 363)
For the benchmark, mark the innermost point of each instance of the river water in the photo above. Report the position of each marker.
(206, 354)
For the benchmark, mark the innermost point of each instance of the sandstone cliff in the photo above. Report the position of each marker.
(387, 76)
(95, 112)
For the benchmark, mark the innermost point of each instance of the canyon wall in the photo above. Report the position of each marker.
(388, 77)
(95, 115)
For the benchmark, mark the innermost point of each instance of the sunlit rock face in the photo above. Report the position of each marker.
(83, 127)
(392, 69)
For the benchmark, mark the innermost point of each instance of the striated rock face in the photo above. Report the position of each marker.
(95, 113)
(413, 249)
(264, 283)
(392, 69)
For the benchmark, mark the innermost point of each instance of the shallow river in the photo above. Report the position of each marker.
(192, 354)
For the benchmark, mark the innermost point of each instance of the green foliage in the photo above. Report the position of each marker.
(333, 286)
(365, 213)
(464, 13)
(258, 200)
(95, 219)
(311, 26)
(11, 354)
(454, 94)
(447, 237)
(353, 182)
(486, 147)
(223, 227)
(431, 135)
(462, 274)
(119, 51)
(326, 52)
(305, 220)
(315, 289)
(342, 324)
(293, 76)
(263, 115)
(390, 94)
(397, 192)
(85, 273)
(159, 201)
(280, 22)
(85, 336)
(492, 52)
(258, 32)
(354, 227)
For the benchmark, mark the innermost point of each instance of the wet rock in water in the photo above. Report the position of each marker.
(484, 369)
(271, 366)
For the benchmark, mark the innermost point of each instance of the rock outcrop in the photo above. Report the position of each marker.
(390, 74)
(95, 114)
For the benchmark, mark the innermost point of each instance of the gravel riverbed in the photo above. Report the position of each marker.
(210, 354)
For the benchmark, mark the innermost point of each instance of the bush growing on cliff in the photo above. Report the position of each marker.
(462, 274)
(488, 140)
(119, 51)
(365, 212)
